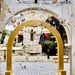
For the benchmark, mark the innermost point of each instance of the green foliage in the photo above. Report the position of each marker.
(49, 45)
(20, 53)
(24, 47)
(14, 43)
(4, 32)
(28, 52)
(3, 36)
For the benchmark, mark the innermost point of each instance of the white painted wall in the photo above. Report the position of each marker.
(73, 40)
(63, 11)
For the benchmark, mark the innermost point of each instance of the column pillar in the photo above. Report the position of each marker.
(72, 63)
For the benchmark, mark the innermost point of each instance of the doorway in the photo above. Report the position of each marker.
(61, 70)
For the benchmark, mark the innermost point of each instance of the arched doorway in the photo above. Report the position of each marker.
(61, 70)
(44, 13)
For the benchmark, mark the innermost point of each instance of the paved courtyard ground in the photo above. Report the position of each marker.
(34, 68)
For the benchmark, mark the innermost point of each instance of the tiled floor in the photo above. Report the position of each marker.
(34, 68)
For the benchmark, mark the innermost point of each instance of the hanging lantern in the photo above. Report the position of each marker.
(9, 10)
(54, 1)
(13, 20)
(18, 23)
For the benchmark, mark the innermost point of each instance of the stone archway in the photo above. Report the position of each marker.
(61, 70)
(65, 26)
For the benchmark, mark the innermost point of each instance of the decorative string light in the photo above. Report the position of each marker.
(13, 20)
(18, 23)
(9, 10)
(54, 1)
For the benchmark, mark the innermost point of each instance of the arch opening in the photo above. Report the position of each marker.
(61, 70)
(65, 26)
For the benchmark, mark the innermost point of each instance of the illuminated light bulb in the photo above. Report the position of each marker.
(13, 20)
(54, 1)
(9, 10)
(18, 23)
(53, 22)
